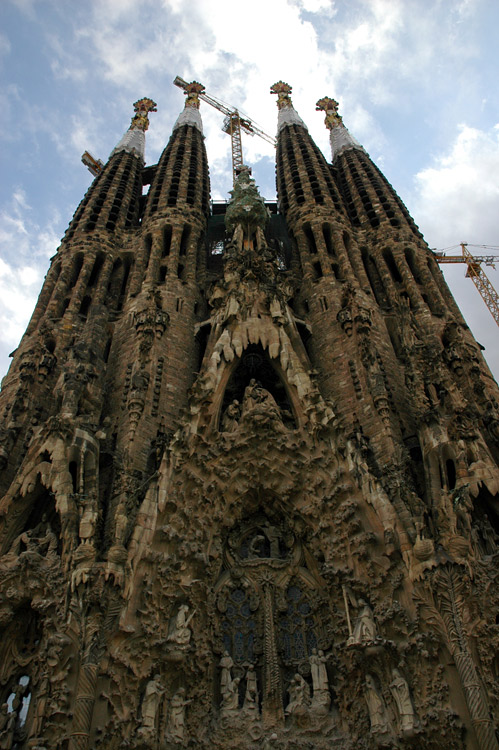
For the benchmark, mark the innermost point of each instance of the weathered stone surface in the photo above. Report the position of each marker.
(249, 479)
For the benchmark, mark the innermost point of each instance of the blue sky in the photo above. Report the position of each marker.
(416, 81)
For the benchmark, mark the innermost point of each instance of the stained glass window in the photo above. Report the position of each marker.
(238, 627)
(296, 627)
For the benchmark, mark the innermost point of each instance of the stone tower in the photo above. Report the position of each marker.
(249, 462)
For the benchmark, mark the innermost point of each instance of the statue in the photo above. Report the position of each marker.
(230, 697)
(320, 682)
(7, 726)
(88, 519)
(177, 715)
(231, 417)
(402, 698)
(299, 695)
(150, 704)
(365, 628)
(251, 694)
(180, 632)
(226, 663)
(375, 705)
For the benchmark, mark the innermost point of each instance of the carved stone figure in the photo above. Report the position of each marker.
(402, 698)
(365, 628)
(231, 417)
(181, 633)
(176, 724)
(150, 704)
(251, 693)
(226, 663)
(230, 698)
(299, 695)
(376, 706)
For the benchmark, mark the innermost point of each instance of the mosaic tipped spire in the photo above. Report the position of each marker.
(134, 139)
(340, 137)
(191, 114)
(287, 113)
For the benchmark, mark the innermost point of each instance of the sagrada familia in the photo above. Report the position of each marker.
(249, 468)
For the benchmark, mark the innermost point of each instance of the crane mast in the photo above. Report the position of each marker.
(233, 124)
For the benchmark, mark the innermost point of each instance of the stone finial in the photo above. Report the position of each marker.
(192, 91)
(283, 91)
(142, 107)
(330, 107)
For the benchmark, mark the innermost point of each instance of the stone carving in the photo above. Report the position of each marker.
(230, 698)
(226, 664)
(176, 724)
(250, 705)
(180, 633)
(150, 705)
(320, 683)
(376, 706)
(364, 630)
(402, 698)
(299, 695)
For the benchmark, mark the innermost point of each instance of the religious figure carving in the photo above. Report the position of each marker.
(402, 698)
(365, 627)
(150, 704)
(177, 715)
(226, 664)
(299, 695)
(251, 694)
(180, 632)
(231, 417)
(376, 706)
(320, 684)
(230, 697)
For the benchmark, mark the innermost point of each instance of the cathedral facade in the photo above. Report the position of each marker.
(249, 468)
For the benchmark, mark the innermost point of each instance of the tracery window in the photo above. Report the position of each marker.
(238, 627)
(296, 627)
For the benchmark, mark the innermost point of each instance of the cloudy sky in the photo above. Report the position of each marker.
(416, 81)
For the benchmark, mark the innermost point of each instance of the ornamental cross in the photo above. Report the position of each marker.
(330, 107)
(142, 107)
(192, 91)
(283, 91)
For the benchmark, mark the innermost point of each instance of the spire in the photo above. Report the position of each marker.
(134, 140)
(287, 113)
(339, 136)
(191, 114)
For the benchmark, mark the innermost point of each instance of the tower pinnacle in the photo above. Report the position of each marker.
(287, 113)
(339, 136)
(134, 139)
(190, 114)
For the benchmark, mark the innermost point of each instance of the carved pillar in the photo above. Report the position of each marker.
(450, 590)
(84, 704)
(272, 696)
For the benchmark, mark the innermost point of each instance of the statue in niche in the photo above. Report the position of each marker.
(150, 704)
(258, 401)
(230, 420)
(320, 683)
(376, 706)
(365, 627)
(264, 543)
(88, 519)
(230, 698)
(251, 694)
(180, 631)
(299, 695)
(226, 663)
(402, 698)
(176, 724)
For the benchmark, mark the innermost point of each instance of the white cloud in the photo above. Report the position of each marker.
(458, 196)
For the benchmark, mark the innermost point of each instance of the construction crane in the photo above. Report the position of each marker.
(233, 124)
(475, 272)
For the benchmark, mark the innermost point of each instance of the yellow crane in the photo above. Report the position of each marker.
(233, 124)
(475, 272)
